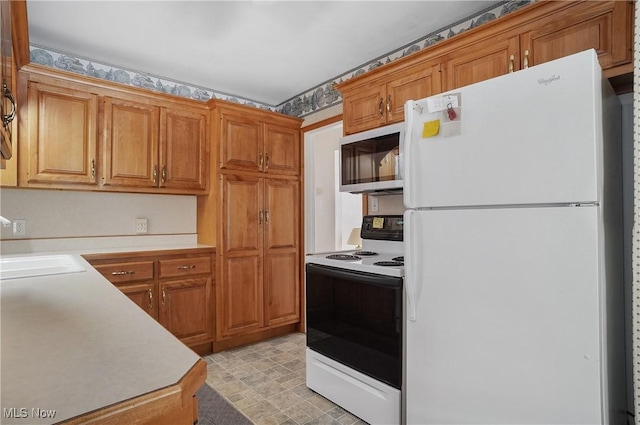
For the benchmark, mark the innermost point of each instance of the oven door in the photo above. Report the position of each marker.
(355, 318)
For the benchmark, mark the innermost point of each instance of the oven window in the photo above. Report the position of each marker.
(355, 318)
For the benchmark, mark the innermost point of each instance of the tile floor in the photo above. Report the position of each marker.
(266, 382)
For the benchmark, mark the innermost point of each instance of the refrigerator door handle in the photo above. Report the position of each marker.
(410, 275)
(405, 167)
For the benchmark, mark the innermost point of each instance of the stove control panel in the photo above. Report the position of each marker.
(382, 227)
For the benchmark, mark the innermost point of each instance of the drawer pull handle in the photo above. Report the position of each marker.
(186, 267)
(150, 299)
(164, 297)
(122, 273)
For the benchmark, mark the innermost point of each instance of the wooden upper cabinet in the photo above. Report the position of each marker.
(7, 99)
(281, 150)
(76, 133)
(381, 101)
(147, 146)
(183, 149)
(363, 108)
(61, 135)
(481, 61)
(130, 148)
(539, 32)
(412, 84)
(251, 142)
(240, 143)
(603, 26)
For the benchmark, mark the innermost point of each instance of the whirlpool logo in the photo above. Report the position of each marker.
(548, 80)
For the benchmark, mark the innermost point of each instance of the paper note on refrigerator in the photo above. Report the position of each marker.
(430, 128)
(440, 103)
(378, 222)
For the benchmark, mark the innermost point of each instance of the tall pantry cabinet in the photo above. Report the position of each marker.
(253, 215)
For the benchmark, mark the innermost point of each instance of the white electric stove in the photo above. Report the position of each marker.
(354, 310)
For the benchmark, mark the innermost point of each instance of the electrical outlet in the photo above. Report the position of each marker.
(373, 203)
(141, 225)
(19, 227)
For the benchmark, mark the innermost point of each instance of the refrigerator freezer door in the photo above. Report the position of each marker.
(530, 137)
(507, 327)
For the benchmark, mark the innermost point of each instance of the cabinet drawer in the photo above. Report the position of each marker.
(185, 266)
(127, 272)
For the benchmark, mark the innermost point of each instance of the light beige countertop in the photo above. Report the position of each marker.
(73, 343)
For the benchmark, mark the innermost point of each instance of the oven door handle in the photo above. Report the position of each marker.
(355, 276)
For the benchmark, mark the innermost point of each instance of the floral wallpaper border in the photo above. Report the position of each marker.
(320, 97)
(325, 95)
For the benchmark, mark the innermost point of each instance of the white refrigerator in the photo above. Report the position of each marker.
(513, 262)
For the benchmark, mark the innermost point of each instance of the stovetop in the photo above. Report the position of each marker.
(382, 249)
(389, 263)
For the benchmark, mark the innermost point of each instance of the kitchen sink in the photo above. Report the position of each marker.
(38, 265)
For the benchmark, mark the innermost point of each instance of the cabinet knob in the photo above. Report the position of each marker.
(389, 106)
(186, 267)
(260, 160)
(164, 173)
(511, 59)
(164, 297)
(266, 161)
(150, 299)
(526, 59)
(380, 108)
(155, 174)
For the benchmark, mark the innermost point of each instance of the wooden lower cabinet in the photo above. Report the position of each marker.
(142, 295)
(260, 254)
(185, 309)
(174, 287)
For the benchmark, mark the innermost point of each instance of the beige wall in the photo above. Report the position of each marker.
(65, 214)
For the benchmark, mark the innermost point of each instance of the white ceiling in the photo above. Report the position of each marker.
(264, 50)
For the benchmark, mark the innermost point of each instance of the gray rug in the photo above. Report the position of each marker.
(213, 409)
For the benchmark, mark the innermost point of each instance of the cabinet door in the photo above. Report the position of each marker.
(183, 149)
(282, 252)
(143, 295)
(364, 108)
(281, 150)
(61, 134)
(412, 84)
(241, 145)
(130, 143)
(603, 26)
(185, 309)
(481, 61)
(239, 295)
(5, 78)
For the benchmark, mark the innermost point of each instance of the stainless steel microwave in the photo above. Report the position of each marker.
(372, 161)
